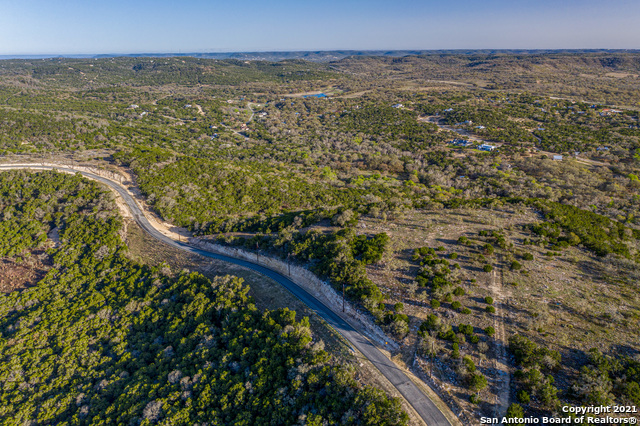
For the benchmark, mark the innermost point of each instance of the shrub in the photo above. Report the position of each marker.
(475, 339)
(573, 239)
(435, 303)
(469, 364)
(477, 382)
(523, 396)
(449, 335)
(456, 351)
(632, 391)
(402, 317)
(465, 329)
(453, 256)
(488, 249)
(370, 250)
(515, 411)
(528, 354)
(463, 240)
(488, 300)
(490, 309)
(459, 291)
(515, 266)
(456, 305)
(448, 298)
(474, 399)
(432, 323)
(399, 327)
(423, 251)
(487, 268)
(465, 311)
(398, 307)
(527, 256)
(490, 331)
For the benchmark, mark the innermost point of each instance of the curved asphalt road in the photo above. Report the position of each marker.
(418, 400)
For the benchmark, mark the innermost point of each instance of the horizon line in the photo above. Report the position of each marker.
(316, 51)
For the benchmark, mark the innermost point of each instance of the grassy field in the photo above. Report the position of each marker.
(570, 302)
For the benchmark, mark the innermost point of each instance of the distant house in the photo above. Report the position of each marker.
(461, 142)
(448, 110)
(486, 147)
(557, 157)
(187, 106)
(480, 127)
(133, 106)
(397, 106)
(608, 111)
(602, 148)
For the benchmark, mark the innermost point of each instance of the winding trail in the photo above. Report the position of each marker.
(503, 376)
(424, 407)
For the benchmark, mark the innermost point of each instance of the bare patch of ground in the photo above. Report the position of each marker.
(19, 274)
(620, 75)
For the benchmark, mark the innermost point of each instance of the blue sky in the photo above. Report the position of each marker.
(137, 26)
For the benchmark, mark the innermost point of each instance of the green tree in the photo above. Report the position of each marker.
(515, 411)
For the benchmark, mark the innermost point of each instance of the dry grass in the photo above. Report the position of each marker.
(570, 303)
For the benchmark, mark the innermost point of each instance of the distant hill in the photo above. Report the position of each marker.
(321, 55)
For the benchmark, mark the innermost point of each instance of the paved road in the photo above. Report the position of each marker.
(418, 400)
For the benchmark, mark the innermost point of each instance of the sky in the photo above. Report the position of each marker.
(30, 27)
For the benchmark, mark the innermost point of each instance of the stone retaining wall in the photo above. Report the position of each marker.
(320, 289)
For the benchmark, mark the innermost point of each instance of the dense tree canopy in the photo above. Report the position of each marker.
(104, 340)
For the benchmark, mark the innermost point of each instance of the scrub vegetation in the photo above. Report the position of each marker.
(481, 208)
(102, 339)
